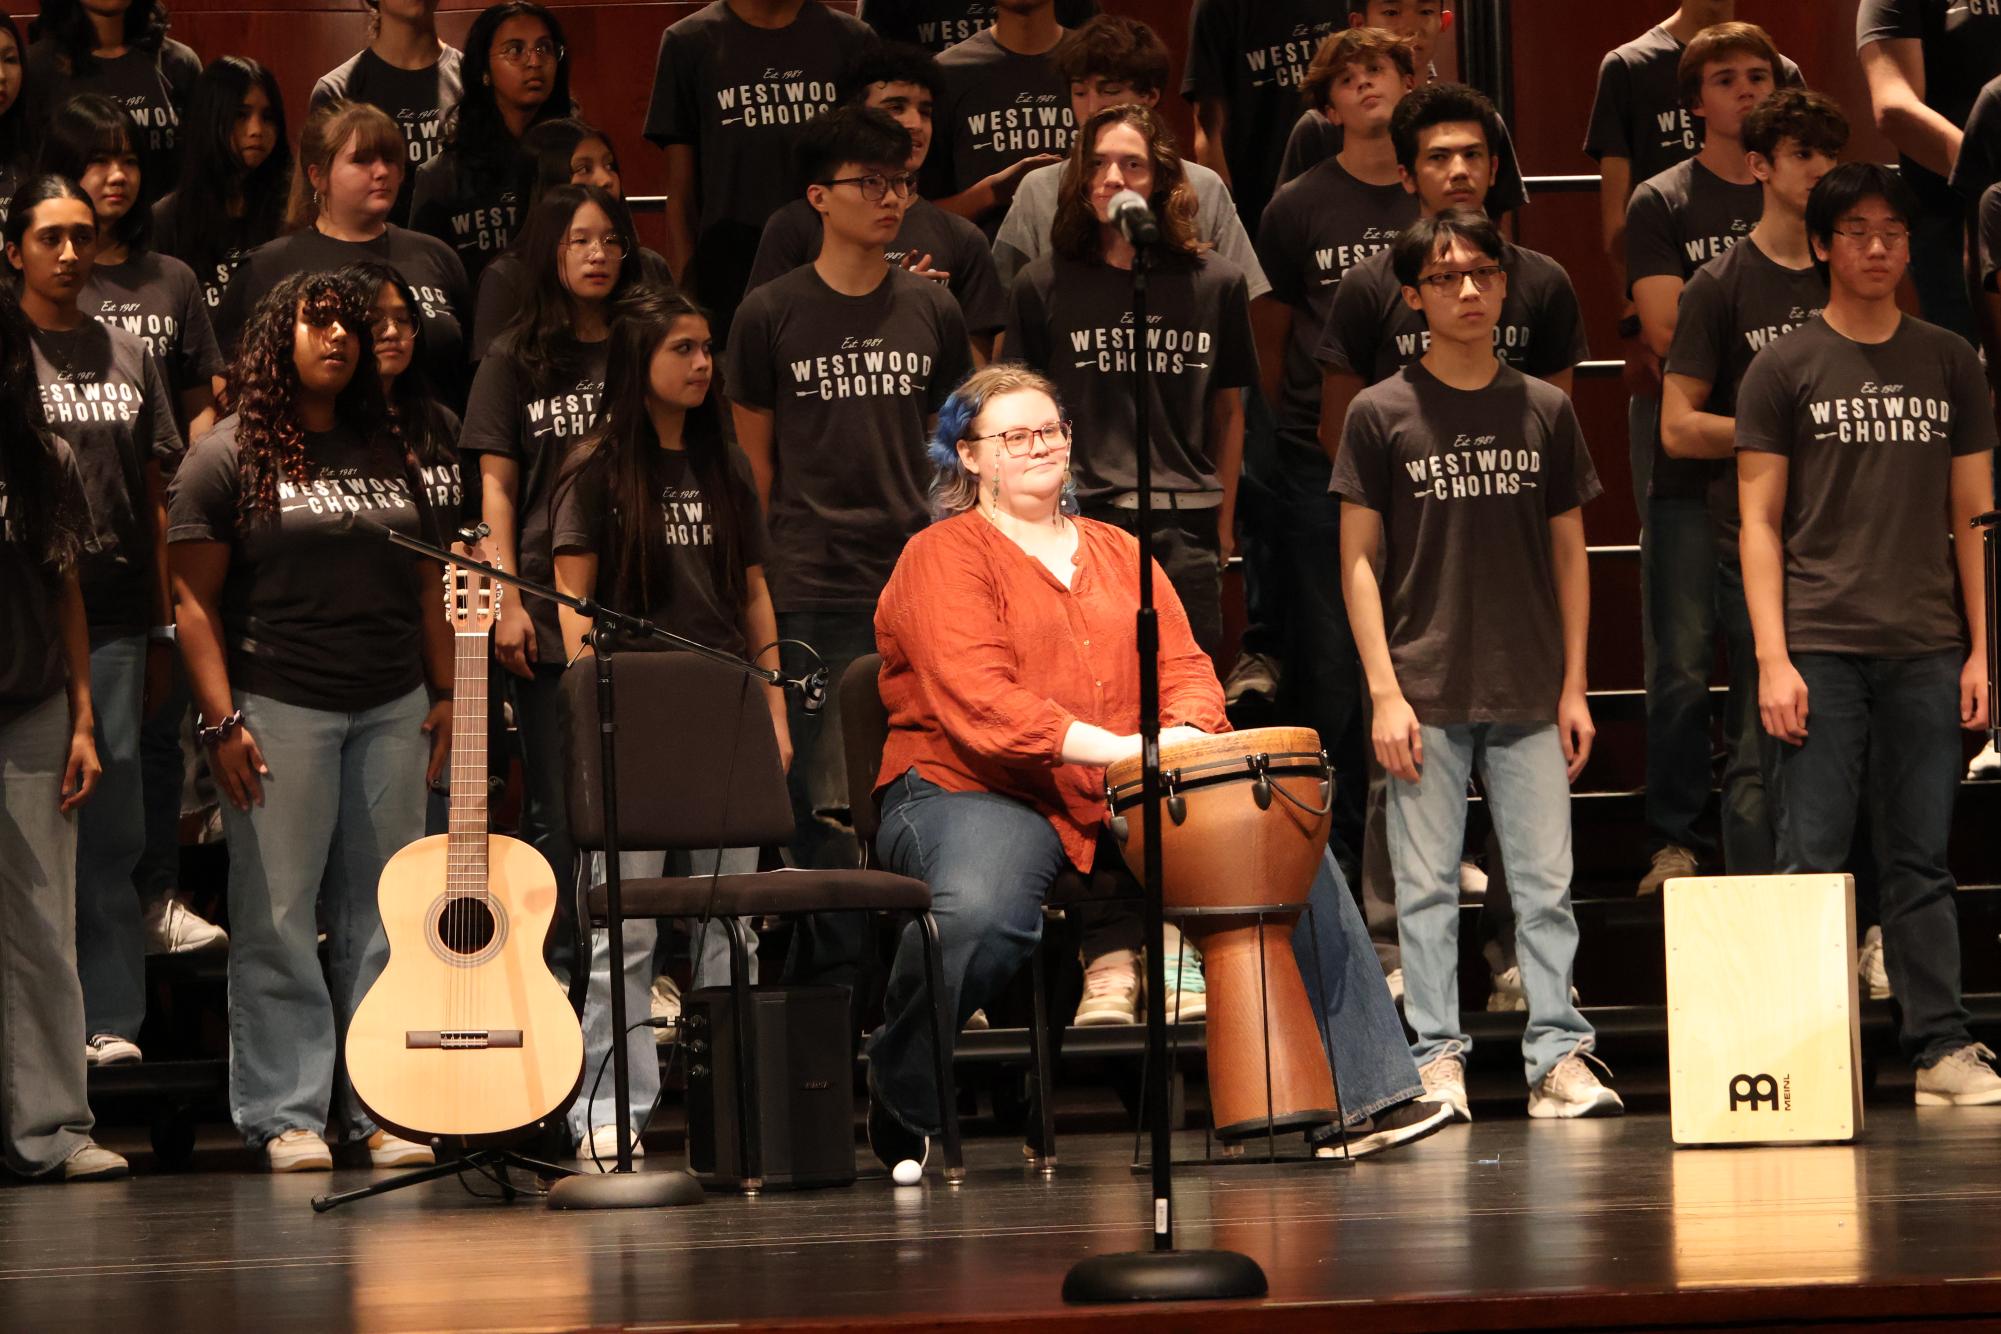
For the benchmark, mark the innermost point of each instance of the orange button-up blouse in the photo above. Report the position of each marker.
(987, 659)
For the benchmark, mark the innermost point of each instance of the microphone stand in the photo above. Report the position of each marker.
(1162, 1273)
(622, 1187)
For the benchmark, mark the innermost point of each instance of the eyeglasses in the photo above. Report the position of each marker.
(875, 187)
(392, 324)
(1018, 441)
(611, 247)
(1483, 278)
(520, 53)
(1893, 237)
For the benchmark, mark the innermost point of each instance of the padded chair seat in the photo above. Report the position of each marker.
(784, 891)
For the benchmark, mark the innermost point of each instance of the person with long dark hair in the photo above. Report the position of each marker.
(101, 391)
(407, 72)
(430, 429)
(48, 768)
(349, 167)
(119, 48)
(16, 139)
(236, 168)
(656, 513)
(309, 641)
(536, 393)
(517, 74)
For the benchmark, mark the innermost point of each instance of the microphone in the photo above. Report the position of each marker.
(812, 689)
(1133, 216)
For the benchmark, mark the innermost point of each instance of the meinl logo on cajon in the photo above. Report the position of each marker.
(1756, 1091)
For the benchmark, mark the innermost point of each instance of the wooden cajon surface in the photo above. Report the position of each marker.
(1764, 1037)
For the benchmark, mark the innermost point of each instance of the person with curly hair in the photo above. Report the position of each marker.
(309, 642)
(407, 72)
(473, 194)
(236, 169)
(119, 48)
(48, 768)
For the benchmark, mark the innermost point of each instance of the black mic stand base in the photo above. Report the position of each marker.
(1164, 1276)
(626, 1190)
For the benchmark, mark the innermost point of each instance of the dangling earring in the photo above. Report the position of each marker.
(993, 491)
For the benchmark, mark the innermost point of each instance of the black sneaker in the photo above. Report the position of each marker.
(891, 1141)
(1405, 1123)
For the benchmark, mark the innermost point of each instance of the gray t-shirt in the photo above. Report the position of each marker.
(477, 214)
(1314, 139)
(1734, 307)
(1870, 432)
(534, 420)
(33, 667)
(851, 383)
(1467, 482)
(1637, 113)
(1373, 334)
(1960, 41)
(1315, 229)
(937, 24)
(792, 238)
(103, 394)
(417, 99)
(1073, 322)
(158, 299)
(215, 254)
(997, 108)
(1024, 234)
(152, 87)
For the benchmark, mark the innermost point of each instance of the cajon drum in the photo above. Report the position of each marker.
(1764, 1034)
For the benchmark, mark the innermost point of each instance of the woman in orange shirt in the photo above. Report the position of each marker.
(1011, 675)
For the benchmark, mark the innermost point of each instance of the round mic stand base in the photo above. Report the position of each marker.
(1163, 1276)
(626, 1190)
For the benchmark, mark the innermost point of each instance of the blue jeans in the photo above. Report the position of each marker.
(1884, 732)
(1678, 583)
(1750, 841)
(345, 793)
(164, 770)
(642, 938)
(111, 834)
(1522, 771)
(540, 718)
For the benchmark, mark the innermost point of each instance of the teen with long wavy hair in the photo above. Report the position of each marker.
(308, 640)
(407, 72)
(16, 134)
(119, 48)
(236, 169)
(48, 767)
(657, 514)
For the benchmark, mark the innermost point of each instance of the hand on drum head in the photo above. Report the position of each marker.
(1398, 739)
(1179, 733)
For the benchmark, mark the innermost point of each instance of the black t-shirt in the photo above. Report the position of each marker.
(1990, 235)
(1870, 431)
(1734, 307)
(1961, 43)
(158, 299)
(426, 263)
(503, 294)
(153, 89)
(998, 107)
(1373, 334)
(103, 394)
(937, 24)
(1637, 112)
(1253, 55)
(1314, 139)
(476, 214)
(417, 99)
(681, 577)
(1073, 322)
(534, 420)
(792, 238)
(32, 666)
(1467, 482)
(851, 383)
(215, 255)
(318, 611)
(1315, 229)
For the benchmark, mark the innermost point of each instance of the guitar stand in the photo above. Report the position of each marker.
(498, 1160)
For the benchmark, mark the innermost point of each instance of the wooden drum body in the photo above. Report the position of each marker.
(1244, 820)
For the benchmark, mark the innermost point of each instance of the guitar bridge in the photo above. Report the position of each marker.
(462, 1039)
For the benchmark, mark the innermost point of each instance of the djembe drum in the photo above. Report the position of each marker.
(1244, 819)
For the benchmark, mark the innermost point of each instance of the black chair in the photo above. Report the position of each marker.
(697, 769)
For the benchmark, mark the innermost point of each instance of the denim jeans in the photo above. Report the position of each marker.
(163, 767)
(1750, 843)
(597, 1105)
(345, 794)
(44, 1109)
(111, 834)
(1883, 733)
(540, 718)
(1522, 771)
(1678, 592)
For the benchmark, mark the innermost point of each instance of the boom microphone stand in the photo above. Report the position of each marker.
(1162, 1273)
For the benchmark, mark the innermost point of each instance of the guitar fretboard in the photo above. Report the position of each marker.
(465, 849)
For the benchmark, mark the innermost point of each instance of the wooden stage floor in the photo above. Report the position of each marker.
(1504, 1224)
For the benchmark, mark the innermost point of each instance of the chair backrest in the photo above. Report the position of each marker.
(697, 759)
(864, 731)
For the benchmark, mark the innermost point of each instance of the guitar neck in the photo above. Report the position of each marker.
(465, 860)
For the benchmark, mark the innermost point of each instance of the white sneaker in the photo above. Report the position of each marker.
(172, 927)
(298, 1151)
(602, 1146)
(1394, 981)
(1962, 1079)
(110, 1049)
(1571, 1090)
(1445, 1083)
(1187, 998)
(1111, 991)
(387, 1150)
(1987, 764)
(91, 1161)
(666, 1005)
(1670, 863)
(1869, 968)
(1472, 881)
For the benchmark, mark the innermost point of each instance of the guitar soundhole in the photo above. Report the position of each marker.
(466, 925)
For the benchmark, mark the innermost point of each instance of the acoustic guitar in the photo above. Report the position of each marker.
(466, 1034)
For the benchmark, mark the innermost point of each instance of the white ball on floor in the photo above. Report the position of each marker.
(908, 1172)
